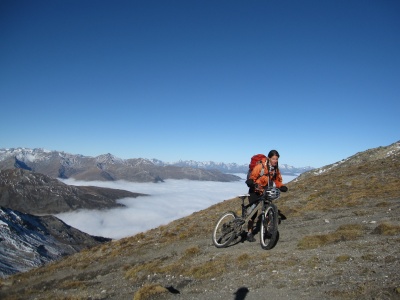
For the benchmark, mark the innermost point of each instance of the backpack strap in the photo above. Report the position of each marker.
(263, 166)
(271, 171)
(262, 171)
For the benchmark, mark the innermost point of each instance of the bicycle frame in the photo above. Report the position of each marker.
(230, 226)
(261, 199)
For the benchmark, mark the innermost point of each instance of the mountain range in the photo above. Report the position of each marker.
(229, 167)
(108, 167)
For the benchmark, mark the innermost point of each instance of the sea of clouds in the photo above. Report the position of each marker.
(167, 201)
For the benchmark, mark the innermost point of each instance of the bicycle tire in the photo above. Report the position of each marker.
(225, 230)
(269, 227)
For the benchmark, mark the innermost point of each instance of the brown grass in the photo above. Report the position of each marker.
(387, 229)
(370, 257)
(192, 251)
(343, 258)
(208, 269)
(148, 291)
(354, 185)
(343, 233)
(356, 291)
(141, 270)
(73, 285)
(184, 265)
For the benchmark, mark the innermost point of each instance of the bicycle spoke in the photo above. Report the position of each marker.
(226, 229)
(269, 228)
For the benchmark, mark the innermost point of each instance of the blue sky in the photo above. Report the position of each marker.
(204, 80)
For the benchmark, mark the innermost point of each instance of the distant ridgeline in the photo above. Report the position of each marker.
(232, 167)
(103, 167)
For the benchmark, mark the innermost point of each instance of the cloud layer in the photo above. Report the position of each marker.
(168, 201)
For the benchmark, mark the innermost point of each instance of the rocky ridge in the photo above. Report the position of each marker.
(35, 193)
(380, 154)
(29, 241)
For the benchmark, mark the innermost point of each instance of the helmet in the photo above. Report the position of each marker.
(272, 193)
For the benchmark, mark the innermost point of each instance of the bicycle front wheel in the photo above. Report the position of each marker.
(225, 230)
(269, 227)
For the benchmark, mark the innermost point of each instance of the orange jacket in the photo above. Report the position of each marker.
(262, 181)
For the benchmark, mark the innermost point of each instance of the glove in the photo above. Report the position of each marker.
(250, 183)
(283, 189)
(258, 189)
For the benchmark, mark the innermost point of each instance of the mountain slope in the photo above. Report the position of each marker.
(339, 239)
(39, 194)
(29, 241)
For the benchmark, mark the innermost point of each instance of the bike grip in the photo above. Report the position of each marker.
(283, 188)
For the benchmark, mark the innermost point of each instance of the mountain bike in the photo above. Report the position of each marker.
(231, 227)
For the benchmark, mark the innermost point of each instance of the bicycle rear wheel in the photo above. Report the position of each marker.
(269, 227)
(225, 231)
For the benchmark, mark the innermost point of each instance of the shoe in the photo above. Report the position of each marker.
(250, 237)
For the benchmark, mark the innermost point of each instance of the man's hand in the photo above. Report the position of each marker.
(283, 188)
(258, 189)
(250, 183)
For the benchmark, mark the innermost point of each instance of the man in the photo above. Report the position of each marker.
(264, 175)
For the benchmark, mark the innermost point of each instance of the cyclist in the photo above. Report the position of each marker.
(263, 175)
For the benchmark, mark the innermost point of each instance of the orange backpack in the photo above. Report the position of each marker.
(255, 160)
